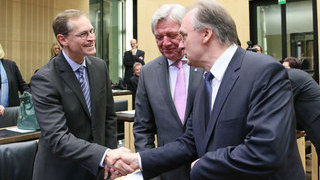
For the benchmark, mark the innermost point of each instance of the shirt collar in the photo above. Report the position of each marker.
(75, 66)
(171, 62)
(219, 67)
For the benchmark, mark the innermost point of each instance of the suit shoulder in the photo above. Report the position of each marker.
(9, 62)
(260, 62)
(159, 60)
(139, 50)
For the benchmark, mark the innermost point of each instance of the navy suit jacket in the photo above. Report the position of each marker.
(251, 133)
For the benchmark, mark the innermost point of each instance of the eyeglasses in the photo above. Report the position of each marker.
(159, 37)
(85, 34)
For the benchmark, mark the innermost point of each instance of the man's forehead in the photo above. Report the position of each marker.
(80, 23)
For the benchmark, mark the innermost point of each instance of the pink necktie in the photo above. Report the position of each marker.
(180, 98)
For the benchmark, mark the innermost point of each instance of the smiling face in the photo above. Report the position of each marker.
(80, 41)
(167, 38)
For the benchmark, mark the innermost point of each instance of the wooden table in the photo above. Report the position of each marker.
(7, 136)
(128, 118)
(121, 92)
(119, 95)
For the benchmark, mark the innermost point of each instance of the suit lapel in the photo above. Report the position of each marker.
(92, 80)
(195, 77)
(164, 87)
(71, 80)
(230, 77)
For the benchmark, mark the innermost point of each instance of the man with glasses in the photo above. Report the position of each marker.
(166, 89)
(74, 106)
(242, 124)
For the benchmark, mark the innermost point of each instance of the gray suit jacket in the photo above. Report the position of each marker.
(72, 143)
(156, 112)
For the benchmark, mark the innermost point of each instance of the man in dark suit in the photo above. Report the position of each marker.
(130, 57)
(306, 98)
(134, 80)
(242, 125)
(74, 106)
(156, 111)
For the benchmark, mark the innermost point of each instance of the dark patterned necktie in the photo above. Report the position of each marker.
(207, 80)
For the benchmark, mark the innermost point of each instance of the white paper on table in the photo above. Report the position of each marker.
(134, 176)
(128, 112)
(16, 129)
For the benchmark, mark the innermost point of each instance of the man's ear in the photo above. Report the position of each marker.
(207, 34)
(62, 39)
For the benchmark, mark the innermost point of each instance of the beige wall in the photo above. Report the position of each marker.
(238, 9)
(26, 33)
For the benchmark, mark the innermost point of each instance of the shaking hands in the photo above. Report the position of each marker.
(120, 162)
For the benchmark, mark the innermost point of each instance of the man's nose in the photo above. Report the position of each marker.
(181, 45)
(166, 41)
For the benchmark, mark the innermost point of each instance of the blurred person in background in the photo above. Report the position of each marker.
(55, 50)
(291, 62)
(11, 83)
(130, 57)
(258, 48)
(132, 86)
(306, 98)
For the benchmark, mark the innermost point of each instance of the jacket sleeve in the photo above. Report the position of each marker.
(139, 57)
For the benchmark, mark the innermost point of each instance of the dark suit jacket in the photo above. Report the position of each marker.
(251, 133)
(128, 61)
(16, 82)
(306, 97)
(155, 110)
(72, 143)
(132, 86)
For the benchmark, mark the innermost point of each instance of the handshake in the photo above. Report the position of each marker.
(120, 162)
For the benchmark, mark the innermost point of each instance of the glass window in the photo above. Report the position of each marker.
(107, 17)
(269, 30)
(300, 32)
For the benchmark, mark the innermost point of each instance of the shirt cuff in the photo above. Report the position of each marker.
(139, 160)
(104, 157)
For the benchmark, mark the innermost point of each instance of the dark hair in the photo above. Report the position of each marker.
(293, 62)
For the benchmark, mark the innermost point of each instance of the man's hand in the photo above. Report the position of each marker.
(133, 51)
(119, 169)
(130, 159)
(125, 163)
(1, 110)
(193, 163)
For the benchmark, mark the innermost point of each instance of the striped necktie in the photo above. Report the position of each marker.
(85, 87)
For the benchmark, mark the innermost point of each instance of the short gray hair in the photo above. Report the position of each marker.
(174, 12)
(210, 14)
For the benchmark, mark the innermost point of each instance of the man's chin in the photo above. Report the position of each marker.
(91, 52)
